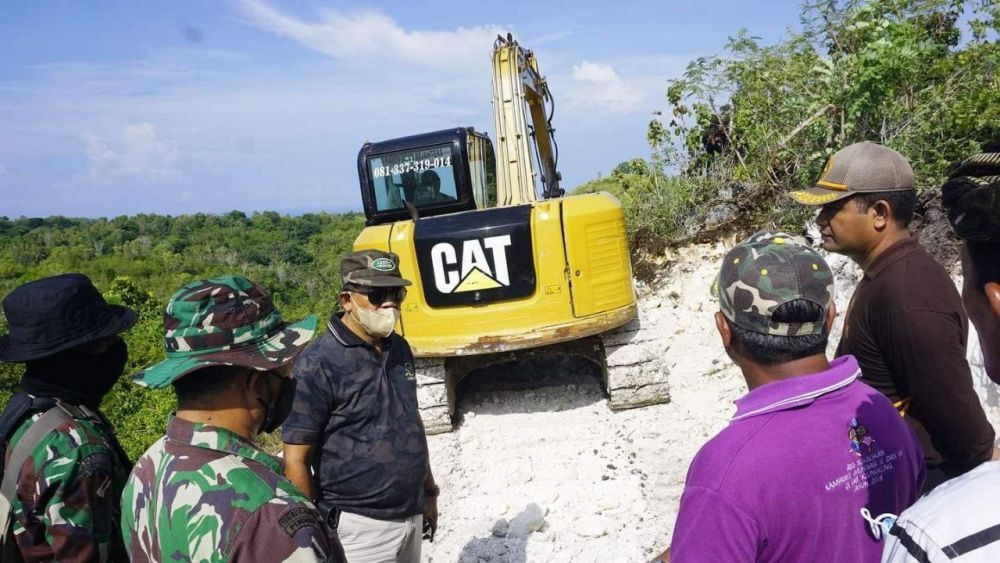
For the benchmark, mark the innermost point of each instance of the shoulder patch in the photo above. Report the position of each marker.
(97, 463)
(298, 518)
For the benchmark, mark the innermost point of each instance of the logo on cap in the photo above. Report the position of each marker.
(383, 265)
(824, 177)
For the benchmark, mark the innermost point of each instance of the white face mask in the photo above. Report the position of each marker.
(378, 323)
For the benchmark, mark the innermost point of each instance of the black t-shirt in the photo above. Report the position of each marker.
(360, 409)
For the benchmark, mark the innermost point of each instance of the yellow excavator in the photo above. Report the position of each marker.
(502, 263)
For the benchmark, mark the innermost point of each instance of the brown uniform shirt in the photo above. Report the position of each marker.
(908, 330)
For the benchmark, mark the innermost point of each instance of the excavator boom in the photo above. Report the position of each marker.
(520, 93)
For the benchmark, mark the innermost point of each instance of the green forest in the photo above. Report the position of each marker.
(734, 134)
(140, 261)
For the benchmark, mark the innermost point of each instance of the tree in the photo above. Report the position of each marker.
(890, 71)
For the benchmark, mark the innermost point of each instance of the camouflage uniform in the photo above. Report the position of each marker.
(205, 493)
(202, 493)
(66, 507)
(767, 270)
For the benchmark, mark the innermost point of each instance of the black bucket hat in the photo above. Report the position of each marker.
(51, 315)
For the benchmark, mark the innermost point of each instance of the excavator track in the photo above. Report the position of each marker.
(636, 372)
(434, 395)
(632, 368)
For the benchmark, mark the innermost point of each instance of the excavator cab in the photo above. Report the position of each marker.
(435, 173)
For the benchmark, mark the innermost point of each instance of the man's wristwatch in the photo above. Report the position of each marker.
(432, 492)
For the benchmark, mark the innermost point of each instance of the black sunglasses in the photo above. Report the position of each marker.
(379, 295)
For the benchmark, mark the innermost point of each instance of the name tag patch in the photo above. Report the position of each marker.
(298, 518)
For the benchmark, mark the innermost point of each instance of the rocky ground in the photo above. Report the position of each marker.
(539, 469)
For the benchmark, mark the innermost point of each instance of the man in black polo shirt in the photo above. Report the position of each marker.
(905, 324)
(355, 441)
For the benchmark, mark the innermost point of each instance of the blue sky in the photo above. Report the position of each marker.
(123, 107)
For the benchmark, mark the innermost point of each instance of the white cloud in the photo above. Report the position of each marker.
(600, 87)
(374, 36)
(135, 152)
(3, 169)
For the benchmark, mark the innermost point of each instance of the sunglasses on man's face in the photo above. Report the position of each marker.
(379, 295)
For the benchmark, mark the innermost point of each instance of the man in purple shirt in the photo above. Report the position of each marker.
(813, 461)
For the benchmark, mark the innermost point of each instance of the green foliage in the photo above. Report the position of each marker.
(897, 72)
(141, 261)
(656, 206)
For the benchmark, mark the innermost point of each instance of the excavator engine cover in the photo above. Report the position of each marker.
(479, 257)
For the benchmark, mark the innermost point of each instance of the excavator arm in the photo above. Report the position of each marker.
(521, 93)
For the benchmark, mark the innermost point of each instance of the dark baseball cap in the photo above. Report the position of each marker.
(861, 167)
(767, 270)
(372, 268)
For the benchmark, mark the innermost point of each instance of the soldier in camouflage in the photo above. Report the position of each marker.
(206, 491)
(65, 506)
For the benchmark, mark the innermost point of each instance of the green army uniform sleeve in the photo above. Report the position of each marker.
(284, 531)
(67, 498)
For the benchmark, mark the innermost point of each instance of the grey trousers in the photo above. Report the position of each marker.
(367, 540)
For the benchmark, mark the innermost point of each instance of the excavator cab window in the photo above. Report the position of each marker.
(426, 175)
(482, 170)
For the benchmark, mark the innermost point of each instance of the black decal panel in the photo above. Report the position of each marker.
(476, 257)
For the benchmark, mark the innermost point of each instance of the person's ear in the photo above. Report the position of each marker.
(831, 314)
(345, 301)
(723, 327)
(253, 379)
(882, 214)
(258, 385)
(992, 290)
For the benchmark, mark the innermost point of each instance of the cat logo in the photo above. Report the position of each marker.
(478, 270)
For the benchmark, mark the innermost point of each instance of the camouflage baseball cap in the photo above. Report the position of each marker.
(861, 167)
(767, 270)
(372, 268)
(224, 321)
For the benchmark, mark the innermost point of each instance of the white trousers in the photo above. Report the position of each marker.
(367, 540)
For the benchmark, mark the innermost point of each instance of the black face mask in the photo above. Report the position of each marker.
(76, 376)
(280, 407)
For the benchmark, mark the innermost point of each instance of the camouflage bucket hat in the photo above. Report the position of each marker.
(767, 270)
(857, 168)
(372, 268)
(224, 321)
